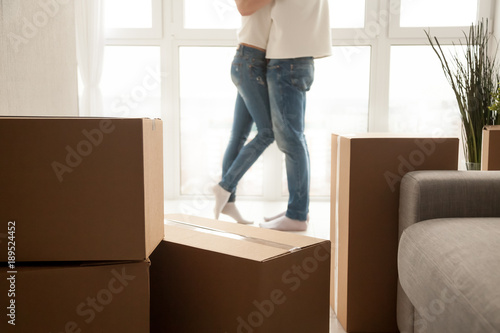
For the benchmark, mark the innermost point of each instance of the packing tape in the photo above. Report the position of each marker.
(231, 235)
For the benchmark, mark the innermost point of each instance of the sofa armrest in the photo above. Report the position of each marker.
(429, 195)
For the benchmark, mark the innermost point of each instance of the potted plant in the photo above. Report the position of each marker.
(474, 77)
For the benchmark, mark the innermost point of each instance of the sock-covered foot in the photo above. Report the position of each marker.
(267, 219)
(221, 198)
(230, 209)
(284, 223)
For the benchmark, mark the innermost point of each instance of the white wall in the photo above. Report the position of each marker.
(38, 69)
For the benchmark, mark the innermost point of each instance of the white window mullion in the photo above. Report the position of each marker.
(170, 107)
(380, 65)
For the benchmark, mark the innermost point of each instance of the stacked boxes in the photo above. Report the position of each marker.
(83, 249)
(82, 210)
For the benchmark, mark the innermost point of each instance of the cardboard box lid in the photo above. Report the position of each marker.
(233, 239)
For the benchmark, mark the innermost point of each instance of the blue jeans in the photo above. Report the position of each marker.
(248, 72)
(288, 81)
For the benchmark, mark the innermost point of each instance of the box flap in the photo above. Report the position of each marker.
(232, 238)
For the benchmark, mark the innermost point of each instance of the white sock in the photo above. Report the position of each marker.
(284, 223)
(230, 209)
(221, 198)
(267, 219)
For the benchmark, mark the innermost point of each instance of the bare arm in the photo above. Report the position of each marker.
(248, 7)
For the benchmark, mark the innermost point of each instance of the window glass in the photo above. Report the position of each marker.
(130, 82)
(421, 99)
(432, 13)
(347, 14)
(126, 14)
(337, 103)
(211, 14)
(207, 97)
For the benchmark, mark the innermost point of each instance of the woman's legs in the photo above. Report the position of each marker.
(252, 105)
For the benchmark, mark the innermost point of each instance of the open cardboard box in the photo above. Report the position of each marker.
(81, 189)
(212, 276)
(71, 298)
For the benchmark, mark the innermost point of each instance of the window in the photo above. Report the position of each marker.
(130, 82)
(171, 58)
(421, 100)
(207, 98)
(128, 14)
(347, 14)
(211, 14)
(442, 13)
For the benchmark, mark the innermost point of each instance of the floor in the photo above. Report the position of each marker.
(319, 216)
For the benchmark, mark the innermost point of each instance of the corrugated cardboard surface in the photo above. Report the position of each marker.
(491, 148)
(369, 171)
(82, 189)
(101, 298)
(206, 282)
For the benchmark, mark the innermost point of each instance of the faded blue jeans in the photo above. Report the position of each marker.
(248, 72)
(288, 81)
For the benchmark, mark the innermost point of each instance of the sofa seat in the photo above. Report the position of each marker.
(450, 270)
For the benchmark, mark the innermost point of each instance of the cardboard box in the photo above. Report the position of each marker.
(490, 159)
(72, 299)
(81, 189)
(366, 174)
(211, 276)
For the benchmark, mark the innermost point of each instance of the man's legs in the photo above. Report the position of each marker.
(289, 80)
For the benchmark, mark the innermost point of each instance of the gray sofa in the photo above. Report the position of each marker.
(449, 252)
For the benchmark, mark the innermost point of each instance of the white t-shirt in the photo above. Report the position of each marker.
(299, 28)
(255, 28)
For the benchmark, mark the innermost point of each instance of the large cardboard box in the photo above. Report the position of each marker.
(214, 277)
(366, 174)
(81, 189)
(72, 298)
(490, 159)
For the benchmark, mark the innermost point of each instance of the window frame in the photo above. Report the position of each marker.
(155, 32)
(380, 33)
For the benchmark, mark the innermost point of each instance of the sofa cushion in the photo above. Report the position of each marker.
(450, 270)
